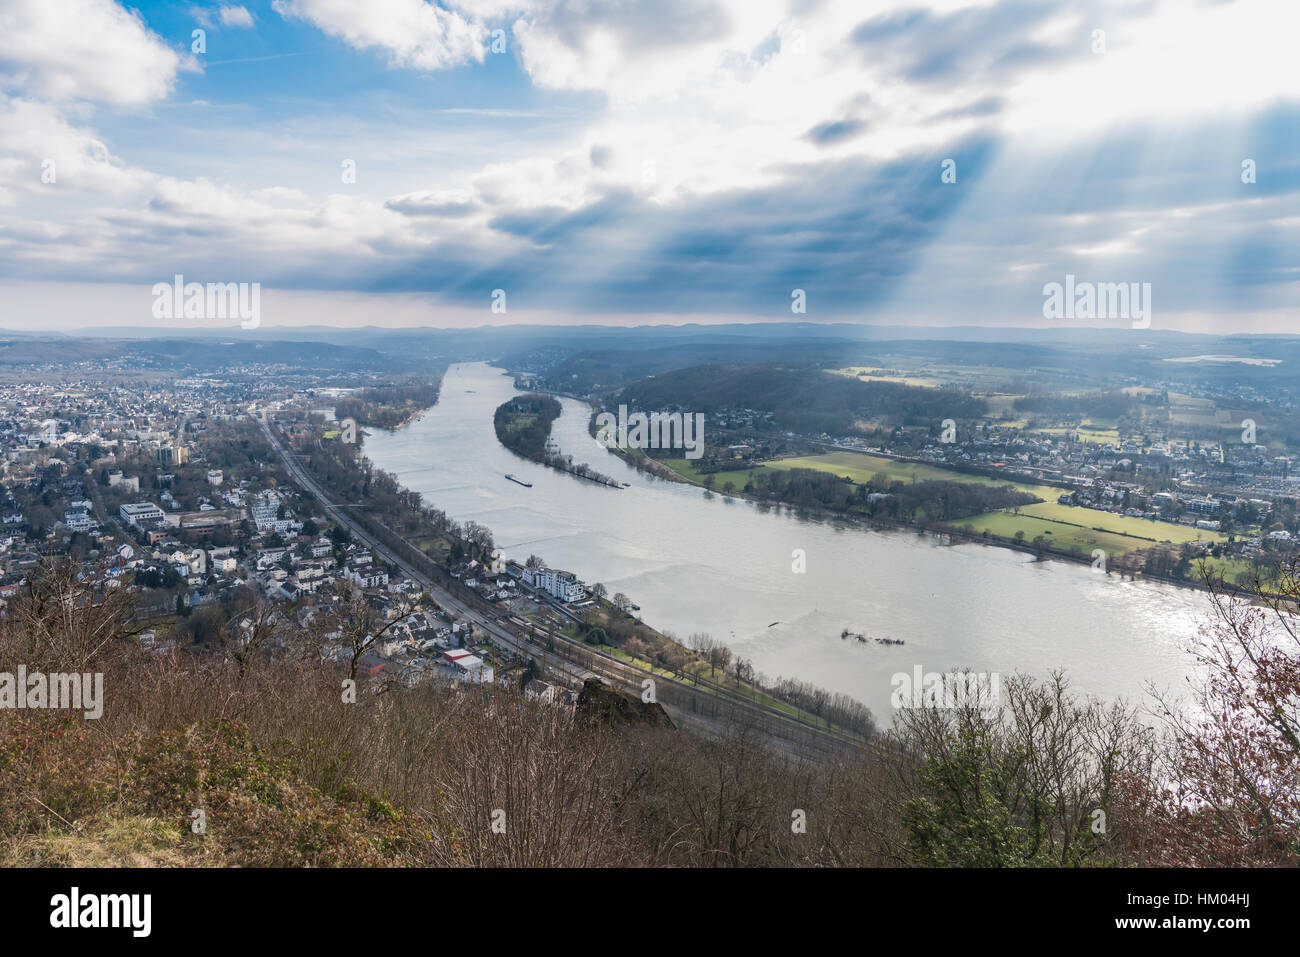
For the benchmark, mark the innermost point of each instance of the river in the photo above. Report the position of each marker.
(698, 561)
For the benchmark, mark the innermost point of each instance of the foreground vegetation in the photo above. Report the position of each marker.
(241, 757)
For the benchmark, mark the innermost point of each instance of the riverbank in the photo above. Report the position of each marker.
(1133, 562)
(599, 626)
(726, 566)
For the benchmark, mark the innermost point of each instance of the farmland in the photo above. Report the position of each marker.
(1069, 528)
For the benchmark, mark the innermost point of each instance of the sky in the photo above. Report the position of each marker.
(396, 162)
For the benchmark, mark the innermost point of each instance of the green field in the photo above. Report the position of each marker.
(1125, 533)
(880, 375)
(1069, 527)
(1121, 524)
(686, 469)
(1097, 435)
(520, 420)
(1066, 537)
(932, 375)
(861, 468)
(1114, 533)
(858, 467)
(1235, 571)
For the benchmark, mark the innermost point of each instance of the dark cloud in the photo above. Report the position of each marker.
(985, 106)
(837, 131)
(927, 47)
(848, 229)
(547, 225)
(429, 206)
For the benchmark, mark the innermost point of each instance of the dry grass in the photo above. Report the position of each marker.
(288, 774)
(104, 841)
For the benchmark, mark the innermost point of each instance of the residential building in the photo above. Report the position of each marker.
(560, 584)
(140, 513)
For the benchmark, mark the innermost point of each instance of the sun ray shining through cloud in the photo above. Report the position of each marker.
(698, 158)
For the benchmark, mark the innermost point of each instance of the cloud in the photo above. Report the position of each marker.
(413, 33)
(925, 46)
(731, 151)
(236, 17)
(90, 50)
(629, 51)
(825, 134)
(46, 155)
(434, 203)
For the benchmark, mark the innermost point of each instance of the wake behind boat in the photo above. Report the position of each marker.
(519, 481)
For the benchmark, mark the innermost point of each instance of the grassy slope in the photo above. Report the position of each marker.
(73, 802)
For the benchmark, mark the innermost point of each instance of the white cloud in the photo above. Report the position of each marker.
(1178, 61)
(83, 50)
(236, 17)
(35, 139)
(724, 94)
(415, 34)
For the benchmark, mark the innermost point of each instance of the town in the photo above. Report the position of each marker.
(172, 491)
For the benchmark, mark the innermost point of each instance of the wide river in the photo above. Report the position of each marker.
(696, 561)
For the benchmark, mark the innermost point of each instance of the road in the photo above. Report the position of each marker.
(498, 635)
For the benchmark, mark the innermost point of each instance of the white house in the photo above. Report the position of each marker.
(468, 667)
(367, 576)
(266, 511)
(539, 690)
(561, 584)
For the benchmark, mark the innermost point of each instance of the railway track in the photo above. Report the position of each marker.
(691, 703)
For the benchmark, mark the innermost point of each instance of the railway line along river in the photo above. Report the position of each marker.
(697, 561)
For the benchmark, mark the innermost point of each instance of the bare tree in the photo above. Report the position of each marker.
(360, 625)
(69, 617)
(1233, 797)
(524, 785)
(249, 634)
(720, 658)
(479, 536)
(712, 651)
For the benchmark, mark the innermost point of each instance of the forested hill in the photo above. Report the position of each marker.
(801, 398)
